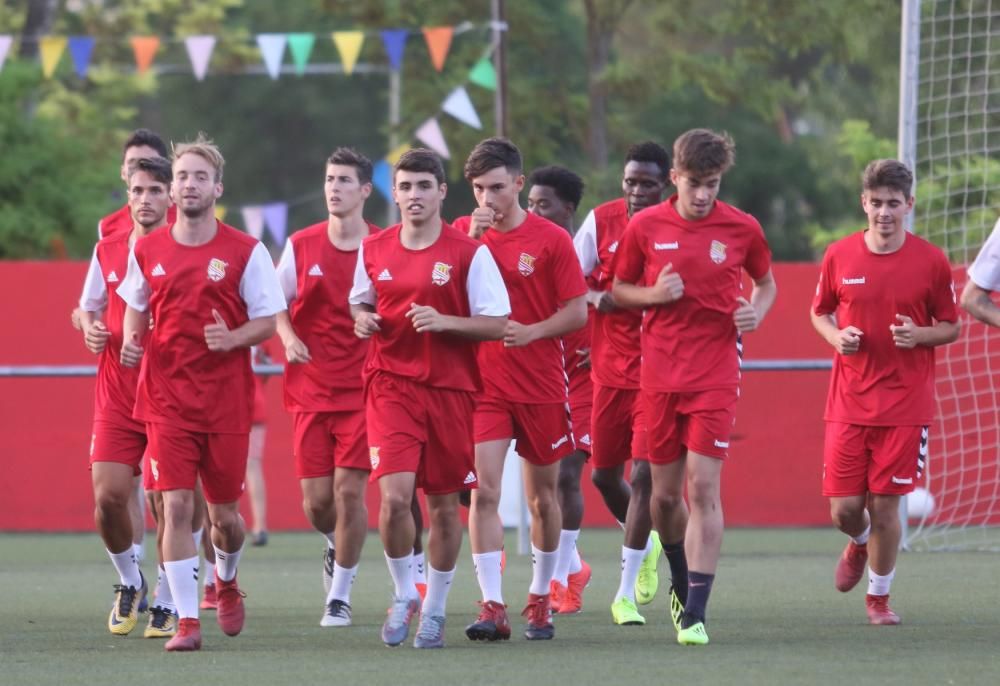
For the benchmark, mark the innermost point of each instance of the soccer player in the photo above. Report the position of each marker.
(118, 441)
(619, 426)
(554, 193)
(323, 382)
(424, 293)
(525, 393)
(984, 278)
(682, 261)
(885, 300)
(213, 293)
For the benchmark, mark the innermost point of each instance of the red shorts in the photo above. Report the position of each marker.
(581, 401)
(177, 457)
(326, 440)
(543, 432)
(112, 442)
(884, 460)
(699, 421)
(619, 426)
(421, 429)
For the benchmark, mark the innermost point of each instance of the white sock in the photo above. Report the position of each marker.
(209, 573)
(197, 535)
(622, 525)
(163, 597)
(226, 563)
(862, 538)
(330, 542)
(542, 566)
(631, 562)
(649, 544)
(182, 575)
(401, 571)
(419, 568)
(343, 579)
(878, 584)
(139, 550)
(567, 547)
(575, 563)
(489, 575)
(127, 567)
(438, 585)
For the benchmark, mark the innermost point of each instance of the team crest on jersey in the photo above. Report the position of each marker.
(441, 273)
(526, 264)
(717, 252)
(373, 456)
(217, 269)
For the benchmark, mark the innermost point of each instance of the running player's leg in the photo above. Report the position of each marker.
(349, 486)
(543, 504)
(255, 485)
(486, 540)
(419, 559)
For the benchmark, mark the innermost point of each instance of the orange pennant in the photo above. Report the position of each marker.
(145, 48)
(438, 43)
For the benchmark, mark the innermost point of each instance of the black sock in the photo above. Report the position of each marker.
(699, 588)
(678, 569)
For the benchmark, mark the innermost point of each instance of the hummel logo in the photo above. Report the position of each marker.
(721, 444)
(897, 480)
(666, 246)
(158, 270)
(562, 440)
(315, 270)
(470, 478)
(385, 275)
(853, 282)
(112, 277)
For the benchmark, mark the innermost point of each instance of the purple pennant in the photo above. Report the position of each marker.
(394, 41)
(276, 219)
(80, 48)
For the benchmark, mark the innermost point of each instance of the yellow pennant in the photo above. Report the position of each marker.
(52, 48)
(349, 46)
(220, 212)
(394, 155)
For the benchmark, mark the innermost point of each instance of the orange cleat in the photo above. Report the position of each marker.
(556, 591)
(492, 623)
(231, 613)
(210, 600)
(850, 566)
(538, 612)
(188, 636)
(572, 597)
(879, 612)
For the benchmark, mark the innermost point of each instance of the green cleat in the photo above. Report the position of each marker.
(694, 635)
(676, 608)
(648, 580)
(624, 613)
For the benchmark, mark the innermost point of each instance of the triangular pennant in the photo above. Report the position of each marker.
(430, 135)
(276, 219)
(5, 43)
(301, 45)
(394, 40)
(145, 48)
(349, 46)
(253, 220)
(460, 106)
(382, 179)
(220, 212)
(397, 152)
(483, 74)
(80, 49)
(272, 48)
(199, 50)
(438, 43)
(51, 48)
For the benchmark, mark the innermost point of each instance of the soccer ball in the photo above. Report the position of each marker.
(919, 504)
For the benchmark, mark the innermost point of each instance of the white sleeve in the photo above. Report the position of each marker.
(100, 230)
(286, 272)
(487, 292)
(585, 243)
(134, 289)
(259, 286)
(95, 293)
(362, 292)
(985, 270)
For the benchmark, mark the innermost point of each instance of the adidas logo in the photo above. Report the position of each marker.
(470, 478)
(112, 277)
(315, 270)
(386, 276)
(158, 270)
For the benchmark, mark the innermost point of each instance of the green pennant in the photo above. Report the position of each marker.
(484, 75)
(300, 45)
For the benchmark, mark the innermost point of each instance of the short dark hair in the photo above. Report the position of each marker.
(157, 167)
(704, 152)
(349, 157)
(568, 186)
(146, 137)
(490, 154)
(420, 160)
(891, 174)
(650, 152)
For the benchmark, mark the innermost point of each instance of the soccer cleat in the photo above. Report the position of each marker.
(694, 635)
(231, 613)
(430, 632)
(648, 581)
(879, 612)
(125, 610)
(162, 623)
(338, 613)
(676, 608)
(210, 600)
(503, 560)
(556, 591)
(850, 566)
(625, 613)
(188, 636)
(421, 589)
(328, 560)
(492, 623)
(258, 539)
(538, 612)
(397, 624)
(572, 597)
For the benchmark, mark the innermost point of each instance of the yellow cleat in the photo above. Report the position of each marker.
(125, 611)
(648, 580)
(624, 613)
(162, 624)
(694, 635)
(676, 608)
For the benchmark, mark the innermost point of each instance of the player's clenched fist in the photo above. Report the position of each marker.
(218, 337)
(745, 317)
(848, 340)
(131, 352)
(518, 334)
(366, 324)
(482, 219)
(904, 334)
(426, 319)
(296, 351)
(669, 285)
(95, 337)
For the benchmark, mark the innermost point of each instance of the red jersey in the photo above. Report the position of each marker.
(316, 277)
(573, 342)
(691, 344)
(880, 384)
(616, 353)
(120, 221)
(182, 383)
(456, 276)
(541, 272)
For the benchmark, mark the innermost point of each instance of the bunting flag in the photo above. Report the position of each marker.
(276, 220)
(394, 154)
(272, 47)
(5, 43)
(301, 45)
(144, 48)
(382, 179)
(51, 48)
(220, 212)
(483, 74)
(430, 135)
(80, 49)
(394, 40)
(199, 50)
(253, 220)
(349, 46)
(438, 40)
(460, 106)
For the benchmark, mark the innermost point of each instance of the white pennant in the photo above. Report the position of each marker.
(199, 50)
(430, 135)
(5, 42)
(460, 106)
(272, 47)
(253, 220)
